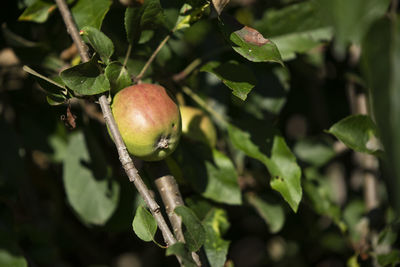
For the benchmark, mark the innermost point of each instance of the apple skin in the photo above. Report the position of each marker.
(196, 125)
(148, 119)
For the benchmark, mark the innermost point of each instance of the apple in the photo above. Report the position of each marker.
(148, 119)
(196, 125)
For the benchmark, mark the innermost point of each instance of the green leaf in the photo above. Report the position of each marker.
(86, 79)
(10, 252)
(56, 92)
(239, 78)
(392, 258)
(90, 12)
(272, 214)
(302, 42)
(358, 132)
(353, 217)
(55, 100)
(353, 261)
(144, 225)
(272, 100)
(380, 65)
(87, 180)
(314, 152)
(217, 218)
(296, 28)
(38, 12)
(242, 141)
(388, 236)
(248, 42)
(190, 13)
(10, 259)
(216, 224)
(48, 85)
(147, 16)
(146, 36)
(319, 191)
(199, 205)
(223, 184)
(210, 173)
(285, 173)
(180, 250)
(99, 41)
(118, 77)
(282, 166)
(194, 233)
(351, 19)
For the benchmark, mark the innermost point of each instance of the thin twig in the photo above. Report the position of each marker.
(72, 29)
(198, 62)
(204, 105)
(124, 157)
(152, 57)
(184, 73)
(128, 54)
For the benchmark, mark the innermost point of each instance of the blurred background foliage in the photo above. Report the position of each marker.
(65, 200)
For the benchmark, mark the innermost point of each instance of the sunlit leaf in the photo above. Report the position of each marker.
(248, 42)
